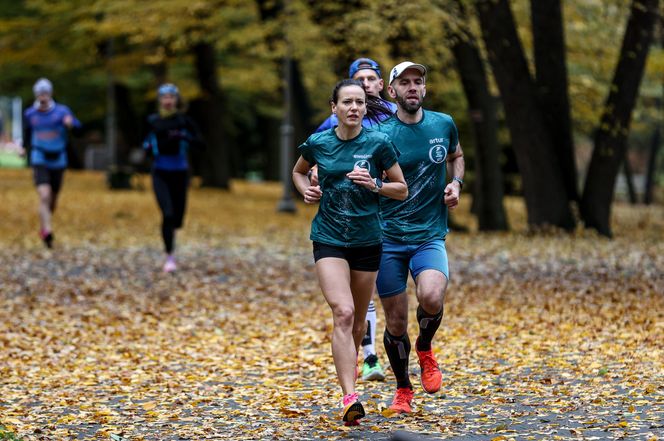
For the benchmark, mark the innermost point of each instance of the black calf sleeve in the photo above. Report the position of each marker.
(428, 326)
(398, 350)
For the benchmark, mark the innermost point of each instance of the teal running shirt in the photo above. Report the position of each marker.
(348, 213)
(423, 148)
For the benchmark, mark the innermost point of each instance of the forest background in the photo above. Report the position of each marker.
(546, 336)
(554, 99)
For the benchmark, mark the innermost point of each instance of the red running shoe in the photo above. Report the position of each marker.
(431, 377)
(402, 400)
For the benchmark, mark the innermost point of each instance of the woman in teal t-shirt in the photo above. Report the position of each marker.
(346, 231)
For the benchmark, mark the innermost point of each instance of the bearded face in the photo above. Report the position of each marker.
(409, 90)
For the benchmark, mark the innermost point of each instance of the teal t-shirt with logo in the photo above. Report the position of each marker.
(348, 213)
(423, 148)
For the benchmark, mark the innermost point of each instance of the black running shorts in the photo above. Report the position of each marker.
(358, 258)
(51, 176)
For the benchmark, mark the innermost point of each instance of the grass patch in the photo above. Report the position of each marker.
(6, 434)
(11, 160)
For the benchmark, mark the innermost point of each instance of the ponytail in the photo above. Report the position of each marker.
(377, 109)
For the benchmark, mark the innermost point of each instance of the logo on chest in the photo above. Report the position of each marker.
(437, 153)
(362, 163)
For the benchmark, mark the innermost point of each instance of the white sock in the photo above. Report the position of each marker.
(369, 344)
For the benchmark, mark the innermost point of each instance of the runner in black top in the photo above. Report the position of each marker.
(171, 135)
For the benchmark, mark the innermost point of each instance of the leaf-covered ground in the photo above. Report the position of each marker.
(544, 337)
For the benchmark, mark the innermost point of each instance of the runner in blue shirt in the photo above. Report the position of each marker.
(346, 231)
(414, 230)
(368, 72)
(46, 126)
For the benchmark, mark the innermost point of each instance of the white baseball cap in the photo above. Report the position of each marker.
(401, 67)
(43, 85)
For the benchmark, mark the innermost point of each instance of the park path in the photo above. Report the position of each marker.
(545, 337)
(235, 346)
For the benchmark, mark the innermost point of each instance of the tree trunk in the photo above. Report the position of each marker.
(129, 136)
(648, 197)
(652, 165)
(543, 182)
(215, 171)
(269, 128)
(611, 135)
(629, 180)
(302, 111)
(303, 126)
(552, 88)
(488, 189)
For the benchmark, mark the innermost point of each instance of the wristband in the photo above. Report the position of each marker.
(459, 180)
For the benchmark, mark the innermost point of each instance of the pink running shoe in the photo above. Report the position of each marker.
(47, 237)
(170, 265)
(353, 409)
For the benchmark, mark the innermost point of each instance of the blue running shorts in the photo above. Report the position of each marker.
(400, 258)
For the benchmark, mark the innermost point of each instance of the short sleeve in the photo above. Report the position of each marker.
(388, 154)
(454, 137)
(306, 150)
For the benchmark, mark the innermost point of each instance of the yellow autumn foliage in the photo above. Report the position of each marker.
(541, 332)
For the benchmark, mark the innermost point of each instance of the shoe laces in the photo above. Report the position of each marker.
(350, 398)
(403, 396)
(428, 361)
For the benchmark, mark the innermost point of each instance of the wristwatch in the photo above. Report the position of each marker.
(378, 185)
(459, 180)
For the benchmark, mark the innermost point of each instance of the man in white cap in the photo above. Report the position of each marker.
(414, 230)
(47, 124)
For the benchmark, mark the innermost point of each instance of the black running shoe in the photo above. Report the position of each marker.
(47, 237)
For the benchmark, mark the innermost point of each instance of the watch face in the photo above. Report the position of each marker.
(379, 185)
